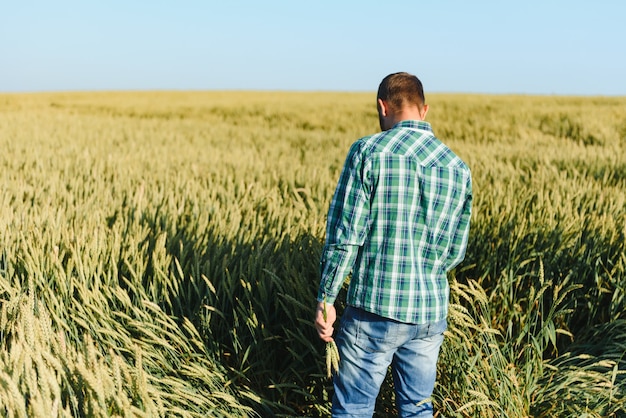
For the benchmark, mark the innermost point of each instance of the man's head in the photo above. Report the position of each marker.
(400, 97)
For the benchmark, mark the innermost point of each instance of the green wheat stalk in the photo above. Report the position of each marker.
(332, 354)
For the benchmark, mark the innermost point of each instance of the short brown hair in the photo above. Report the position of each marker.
(401, 89)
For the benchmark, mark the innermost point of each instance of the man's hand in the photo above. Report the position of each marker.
(325, 327)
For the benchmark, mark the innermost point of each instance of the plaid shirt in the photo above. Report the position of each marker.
(398, 222)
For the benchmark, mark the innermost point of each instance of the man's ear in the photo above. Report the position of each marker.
(382, 106)
(423, 111)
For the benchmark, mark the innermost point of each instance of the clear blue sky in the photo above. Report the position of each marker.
(529, 47)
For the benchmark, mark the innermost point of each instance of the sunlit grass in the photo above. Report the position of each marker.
(159, 253)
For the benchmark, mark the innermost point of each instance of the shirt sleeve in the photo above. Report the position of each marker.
(346, 226)
(458, 244)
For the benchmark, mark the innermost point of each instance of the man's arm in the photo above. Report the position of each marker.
(458, 243)
(346, 226)
(346, 229)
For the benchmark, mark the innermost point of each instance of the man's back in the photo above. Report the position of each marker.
(416, 189)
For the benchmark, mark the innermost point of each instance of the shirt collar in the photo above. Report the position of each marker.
(415, 124)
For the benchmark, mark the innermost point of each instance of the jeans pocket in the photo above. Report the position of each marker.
(375, 334)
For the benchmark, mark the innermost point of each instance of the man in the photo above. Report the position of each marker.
(398, 222)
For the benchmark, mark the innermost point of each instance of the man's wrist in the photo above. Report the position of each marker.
(323, 297)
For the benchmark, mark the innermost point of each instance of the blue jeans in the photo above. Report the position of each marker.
(367, 345)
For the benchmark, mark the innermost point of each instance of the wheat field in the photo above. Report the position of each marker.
(159, 253)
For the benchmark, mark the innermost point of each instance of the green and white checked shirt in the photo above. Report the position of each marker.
(398, 222)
